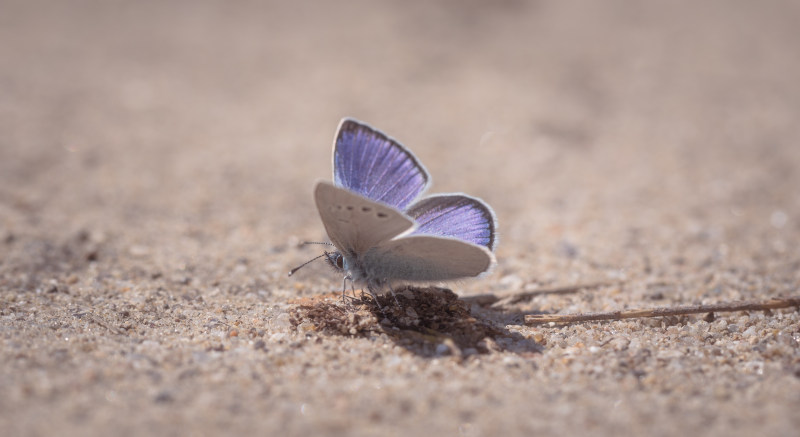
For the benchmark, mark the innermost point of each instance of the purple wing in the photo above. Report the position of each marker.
(457, 216)
(371, 164)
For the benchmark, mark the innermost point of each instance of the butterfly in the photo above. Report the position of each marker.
(382, 233)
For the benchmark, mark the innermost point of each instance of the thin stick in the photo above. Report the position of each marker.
(787, 302)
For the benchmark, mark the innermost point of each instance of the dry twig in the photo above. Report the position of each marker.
(787, 302)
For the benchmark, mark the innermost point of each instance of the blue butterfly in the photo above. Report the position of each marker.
(382, 233)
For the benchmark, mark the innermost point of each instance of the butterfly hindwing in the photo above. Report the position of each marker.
(355, 223)
(426, 258)
(457, 216)
(370, 163)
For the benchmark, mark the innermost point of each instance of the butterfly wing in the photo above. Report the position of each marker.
(426, 258)
(457, 216)
(355, 223)
(369, 163)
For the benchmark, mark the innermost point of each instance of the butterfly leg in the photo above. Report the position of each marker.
(344, 289)
(375, 297)
(345, 297)
(391, 290)
(353, 290)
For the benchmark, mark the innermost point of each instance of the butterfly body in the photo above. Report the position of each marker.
(382, 233)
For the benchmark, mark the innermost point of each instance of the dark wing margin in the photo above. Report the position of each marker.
(370, 163)
(457, 216)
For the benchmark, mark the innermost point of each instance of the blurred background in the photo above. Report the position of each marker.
(581, 123)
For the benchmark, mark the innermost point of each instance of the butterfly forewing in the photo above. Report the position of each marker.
(457, 216)
(355, 223)
(427, 258)
(369, 163)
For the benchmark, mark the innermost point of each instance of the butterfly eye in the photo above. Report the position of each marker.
(340, 261)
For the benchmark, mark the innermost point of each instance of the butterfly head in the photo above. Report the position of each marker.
(347, 265)
(335, 259)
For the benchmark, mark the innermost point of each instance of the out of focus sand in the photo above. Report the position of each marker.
(156, 166)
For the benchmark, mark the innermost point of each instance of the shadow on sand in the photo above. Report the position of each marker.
(429, 322)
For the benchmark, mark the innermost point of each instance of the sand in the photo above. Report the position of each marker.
(156, 167)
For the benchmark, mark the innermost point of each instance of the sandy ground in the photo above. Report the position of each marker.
(156, 167)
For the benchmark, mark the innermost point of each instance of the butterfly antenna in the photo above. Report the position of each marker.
(316, 242)
(291, 272)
